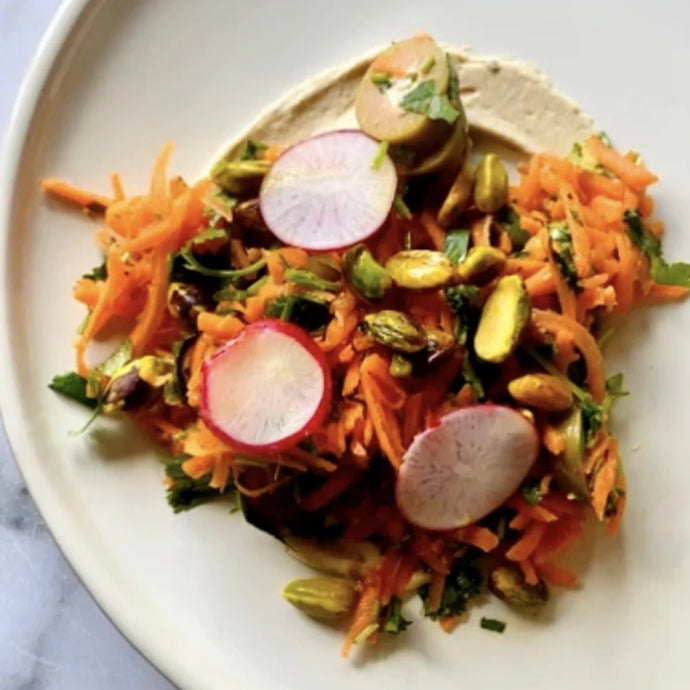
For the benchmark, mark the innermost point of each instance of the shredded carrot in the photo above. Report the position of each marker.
(632, 174)
(528, 542)
(556, 575)
(481, 537)
(75, 195)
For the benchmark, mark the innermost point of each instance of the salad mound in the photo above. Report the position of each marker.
(410, 393)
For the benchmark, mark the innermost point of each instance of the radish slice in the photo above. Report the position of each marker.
(324, 193)
(459, 471)
(267, 388)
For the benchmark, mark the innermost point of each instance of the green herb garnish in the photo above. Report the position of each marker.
(424, 100)
(379, 156)
(677, 273)
(73, 386)
(392, 620)
(456, 244)
(401, 208)
(463, 583)
(492, 624)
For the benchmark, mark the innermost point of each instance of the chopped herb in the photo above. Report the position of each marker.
(463, 302)
(469, 373)
(208, 235)
(401, 208)
(73, 386)
(232, 292)
(532, 494)
(98, 273)
(253, 150)
(580, 155)
(392, 620)
(453, 83)
(463, 583)
(424, 100)
(492, 624)
(428, 65)
(510, 220)
(380, 156)
(666, 274)
(300, 276)
(308, 312)
(382, 79)
(562, 250)
(191, 263)
(455, 245)
(183, 491)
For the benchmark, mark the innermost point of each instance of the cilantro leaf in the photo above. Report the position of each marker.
(492, 624)
(463, 302)
(184, 492)
(510, 220)
(562, 250)
(645, 240)
(463, 583)
(424, 100)
(677, 273)
(97, 273)
(392, 620)
(455, 245)
(300, 276)
(308, 312)
(532, 494)
(73, 386)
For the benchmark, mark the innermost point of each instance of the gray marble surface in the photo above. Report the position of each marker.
(52, 634)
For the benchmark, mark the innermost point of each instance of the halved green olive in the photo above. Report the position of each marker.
(391, 75)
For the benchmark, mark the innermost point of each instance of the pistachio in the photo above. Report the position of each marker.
(133, 384)
(542, 392)
(568, 469)
(439, 344)
(395, 330)
(458, 197)
(420, 269)
(481, 265)
(503, 317)
(321, 597)
(509, 585)
(348, 559)
(400, 366)
(242, 178)
(491, 184)
(365, 274)
(185, 302)
(248, 215)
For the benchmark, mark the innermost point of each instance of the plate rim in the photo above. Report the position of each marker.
(60, 30)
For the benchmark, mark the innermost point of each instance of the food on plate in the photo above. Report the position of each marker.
(378, 324)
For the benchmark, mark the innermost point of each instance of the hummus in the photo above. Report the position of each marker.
(507, 102)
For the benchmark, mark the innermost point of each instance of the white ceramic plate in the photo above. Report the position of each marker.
(199, 593)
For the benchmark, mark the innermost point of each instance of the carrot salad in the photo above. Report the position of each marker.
(189, 268)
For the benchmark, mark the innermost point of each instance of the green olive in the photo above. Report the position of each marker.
(448, 157)
(395, 330)
(393, 74)
(503, 317)
(365, 274)
(400, 366)
(420, 269)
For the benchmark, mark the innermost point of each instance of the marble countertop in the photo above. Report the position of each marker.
(52, 634)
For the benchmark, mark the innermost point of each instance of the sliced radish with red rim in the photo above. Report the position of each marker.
(468, 465)
(325, 193)
(267, 388)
